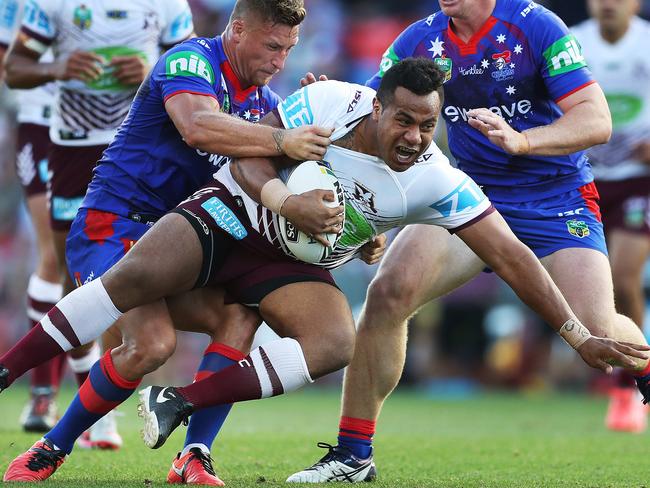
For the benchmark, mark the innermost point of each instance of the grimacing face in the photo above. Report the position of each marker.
(613, 15)
(262, 48)
(405, 126)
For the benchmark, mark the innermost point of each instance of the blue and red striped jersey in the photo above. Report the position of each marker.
(520, 64)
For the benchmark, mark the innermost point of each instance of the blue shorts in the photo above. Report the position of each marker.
(571, 219)
(97, 240)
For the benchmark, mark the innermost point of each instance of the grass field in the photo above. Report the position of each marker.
(487, 441)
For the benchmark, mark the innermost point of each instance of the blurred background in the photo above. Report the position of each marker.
(478, 337)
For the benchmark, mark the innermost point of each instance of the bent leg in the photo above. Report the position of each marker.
(423, 263)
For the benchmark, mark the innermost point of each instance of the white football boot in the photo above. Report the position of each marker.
(339, 464)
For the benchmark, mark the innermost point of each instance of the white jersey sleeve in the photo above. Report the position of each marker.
(439, 194)
(9, 21)
(177, 19)
(328, 104)
(41, 19)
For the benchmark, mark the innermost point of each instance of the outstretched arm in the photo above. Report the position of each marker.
(203, 126)
(493, 241)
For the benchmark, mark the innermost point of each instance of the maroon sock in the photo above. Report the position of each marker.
(46, 374)
(59, 371)
(236, 383)
(33, 349)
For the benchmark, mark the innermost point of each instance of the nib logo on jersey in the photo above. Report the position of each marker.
(564, 55)
(189, 63)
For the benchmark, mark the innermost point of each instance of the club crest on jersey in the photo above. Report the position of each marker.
(445, 65)
(577, 228)
(82, 17)
(504, 69)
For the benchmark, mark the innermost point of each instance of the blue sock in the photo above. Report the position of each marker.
(205, 423)
(103, 390)
(356, 434)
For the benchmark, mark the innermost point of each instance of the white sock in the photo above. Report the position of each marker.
(88, 311)
(41, 295)
(84, 363)
(284, 361)
(187, 448)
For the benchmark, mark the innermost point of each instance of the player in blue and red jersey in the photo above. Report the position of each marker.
(520, 106)
(198, 102)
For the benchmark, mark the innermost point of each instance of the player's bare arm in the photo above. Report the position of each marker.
(585, 122)
(204, 127)
(23, 69)
(517, 265)
(306, 210)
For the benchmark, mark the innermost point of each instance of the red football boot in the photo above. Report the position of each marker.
(195, 468)
(37, 464)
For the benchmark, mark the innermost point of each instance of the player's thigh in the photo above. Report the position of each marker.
(318, 316)
(205, 310)
(628, 252)
(40, 215)
(164, 262)
(424, 262)
(585, 279)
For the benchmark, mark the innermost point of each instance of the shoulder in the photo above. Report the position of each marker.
(193, 57)
(420, 29)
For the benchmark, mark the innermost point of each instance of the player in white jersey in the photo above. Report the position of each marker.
(615, 44)
(44, 290)
(102, 51)
(391, 174)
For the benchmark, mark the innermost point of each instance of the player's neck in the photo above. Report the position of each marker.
(613, 35)
(229, 49)
(366, 137)
(470, 22)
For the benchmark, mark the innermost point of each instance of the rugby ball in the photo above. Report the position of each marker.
(310, 175)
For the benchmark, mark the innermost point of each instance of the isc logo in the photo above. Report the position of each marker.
(291, 231)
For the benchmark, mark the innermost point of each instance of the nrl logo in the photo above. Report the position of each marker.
(577, 228)
(444, 65)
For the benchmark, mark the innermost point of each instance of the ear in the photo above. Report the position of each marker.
(376, 109)
(238, 30)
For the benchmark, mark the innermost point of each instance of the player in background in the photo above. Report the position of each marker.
(520, 107)
(102, 53)
(615, 45)
(44, 288)
(196, 106)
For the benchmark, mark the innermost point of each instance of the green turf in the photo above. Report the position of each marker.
(488, 441)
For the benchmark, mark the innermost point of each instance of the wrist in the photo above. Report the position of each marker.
(278, 138)
(274, 194)
(526, 143)
(574, 333)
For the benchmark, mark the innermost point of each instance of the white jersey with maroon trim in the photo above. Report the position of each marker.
(88, 114)
(623, 71)
(377, 198)
(35, 105)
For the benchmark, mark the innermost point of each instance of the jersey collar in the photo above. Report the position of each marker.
(240, 93)
(470, 47)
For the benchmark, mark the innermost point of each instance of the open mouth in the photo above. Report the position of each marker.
(405, 154)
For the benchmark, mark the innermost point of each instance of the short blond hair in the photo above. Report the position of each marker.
(287, 12)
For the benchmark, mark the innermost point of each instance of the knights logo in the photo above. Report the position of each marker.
(504, 68)
(82, 17)
(444, 65)
(577, 228)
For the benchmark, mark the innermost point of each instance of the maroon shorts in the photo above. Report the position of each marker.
(72, 169)
(236, 256)
(31, 157)
(625, 204)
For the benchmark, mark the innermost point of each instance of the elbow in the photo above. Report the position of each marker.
(10, 77)
(604, 132)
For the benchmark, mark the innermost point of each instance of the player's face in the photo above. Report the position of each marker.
(405, 127)
(613, 14)
(460, 9)
(262, 49)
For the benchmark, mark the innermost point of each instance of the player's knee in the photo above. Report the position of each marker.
(338, 345)
(149, 355)
(390, 296)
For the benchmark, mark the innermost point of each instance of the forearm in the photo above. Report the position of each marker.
(583, 126)
(523, 272)
(219, 133)
(251, 174)
(23, 72)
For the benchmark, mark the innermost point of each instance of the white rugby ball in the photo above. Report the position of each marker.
(310, 175)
